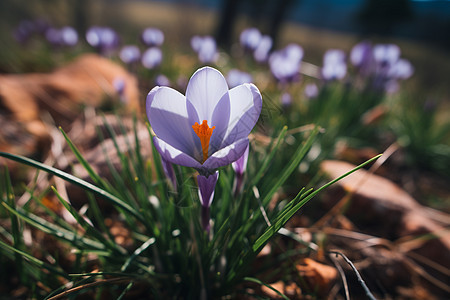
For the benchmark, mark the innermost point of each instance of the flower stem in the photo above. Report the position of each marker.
(206, 218)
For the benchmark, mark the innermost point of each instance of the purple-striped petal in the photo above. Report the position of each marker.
(205, 89)
(225, 156)
(169, 171)
(240, 165)
(168, 115)
(246, 104)
(175, 156)
(206, 186)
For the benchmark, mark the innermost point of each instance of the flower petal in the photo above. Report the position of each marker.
(168, 115)
(206, 186)
(220, 119)
(170, 173)
(240, 165)
(173, 155)
(205, 89)
(246, 104)
(225, 156)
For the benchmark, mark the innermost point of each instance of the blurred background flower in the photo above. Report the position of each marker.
(205, 47)
(103, 39)
(130, 54)
(152, 37)
(152, 57)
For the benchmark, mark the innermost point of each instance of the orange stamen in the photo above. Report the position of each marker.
(204, 132)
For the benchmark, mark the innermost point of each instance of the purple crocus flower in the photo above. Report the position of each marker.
(311, 91)
(169, 171)
(239, 167)
(104, 39)
(250, 38)
(205, 47)
(60, 37)
(69, 36)
(151, 58)
(27, 28)
(285, 64)
(130, 54)
(236, 77)
(119, 86)
(386, 54)
(286, 100)
(206, 129)
(361, 56)
(152, 37)
(334, 65)
(24, 31)
(261, 53)
(52, 35)
(182, 124)
(162, 80)
(386, 57)
(401, 69)
(206, 187)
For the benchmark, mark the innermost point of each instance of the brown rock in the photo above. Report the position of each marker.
(279, 286)
(26, 98)
(388, 211)
(100, 154)
(320, 277)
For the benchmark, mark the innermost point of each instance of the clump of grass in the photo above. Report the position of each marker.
(170, 255)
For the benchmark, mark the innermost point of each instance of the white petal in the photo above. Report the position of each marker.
(174, 155)
(227, 155)
(246, 104)
(205, 89)
(168, 115)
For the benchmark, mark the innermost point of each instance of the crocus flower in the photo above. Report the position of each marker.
(286, 99)
(261, 53)
(69, 36)
(27, 28)
(152, 37)
(250, 38)
(239, 167)
(169, 171)
(334, 65)
(285, 64)
(119, 86)
(162, 80)
(206, 187)
(236, 77)
(361, 57)
(206, 129)
(66, 36)
(104, 39)
(151, 58)
(130, 54)
(311, 91)
(24, 31)
(401, 69)
(205, 47)
(386, 54)
(389, 67)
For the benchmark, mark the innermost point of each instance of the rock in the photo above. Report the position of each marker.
(320, 277)
(382, 208)
(27, 99)
(100, 154)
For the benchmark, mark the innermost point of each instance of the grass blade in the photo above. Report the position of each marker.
(75, 180)
(34, 260)
(287, 214)
(255, 280)
(297, 158)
